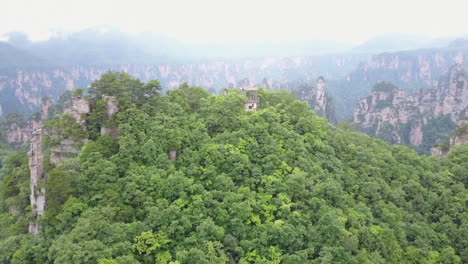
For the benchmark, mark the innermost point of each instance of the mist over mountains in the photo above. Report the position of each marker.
(107, 46)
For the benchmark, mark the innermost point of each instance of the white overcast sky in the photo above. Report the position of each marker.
(251, 20)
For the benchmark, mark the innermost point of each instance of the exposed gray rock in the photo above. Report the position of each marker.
(438, 151)
(21, 133)
(78, 109)
(37, 180)
(460, 137)
(45, 106)
(390, 111)
(318, 99)
(112, 107)
(321, 97)
(113, 132)
(66, 149)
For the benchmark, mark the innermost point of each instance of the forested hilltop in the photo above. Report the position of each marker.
(135, 176)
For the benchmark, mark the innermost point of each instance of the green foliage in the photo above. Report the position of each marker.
(105, 145)
(64, 127)
(13, 118)
(78, 92)
(126, 88)
(59, 188)
(15, 184)
(62, 103)
(278, 185)
(148, 243)
(384, 87)
(189, 97)
(96, 119)
(436, 130)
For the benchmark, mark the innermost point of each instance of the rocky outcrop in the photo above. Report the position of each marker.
(19, 132)
(417, 68)
(438, 151)
(394, 115)
(408, 70)
(460, 137)
(38, 176)
(78, 109)
(112, 107)
(45, 106)
(37, 180)
(318, 99)
(321, 97)
(67, 148)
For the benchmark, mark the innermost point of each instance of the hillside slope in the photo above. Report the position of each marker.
(190, 177)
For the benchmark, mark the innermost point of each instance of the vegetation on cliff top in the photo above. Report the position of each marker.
(279, 185)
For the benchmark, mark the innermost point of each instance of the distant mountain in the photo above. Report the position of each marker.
(419, 119)
(402, 42)
(101, 47)
(12, 57)
(23, 89)
(108, 46)
(242, 49)
(388, 43)
(409, 70)
(459, 43)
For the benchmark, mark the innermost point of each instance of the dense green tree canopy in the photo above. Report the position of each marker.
(126, 88)
(279, 185)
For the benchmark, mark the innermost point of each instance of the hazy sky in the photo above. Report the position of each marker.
(252, 20)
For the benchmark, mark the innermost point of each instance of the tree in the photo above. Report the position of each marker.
(59, 188)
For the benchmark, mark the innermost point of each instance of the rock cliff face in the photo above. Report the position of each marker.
(415, 68)
(460, 137)
(319, 99)
(78, 109)
(37, 180)
(22, 89)
(19, 132)
(112, 107)
(67, 148)
(394, 115)
(409, 70)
